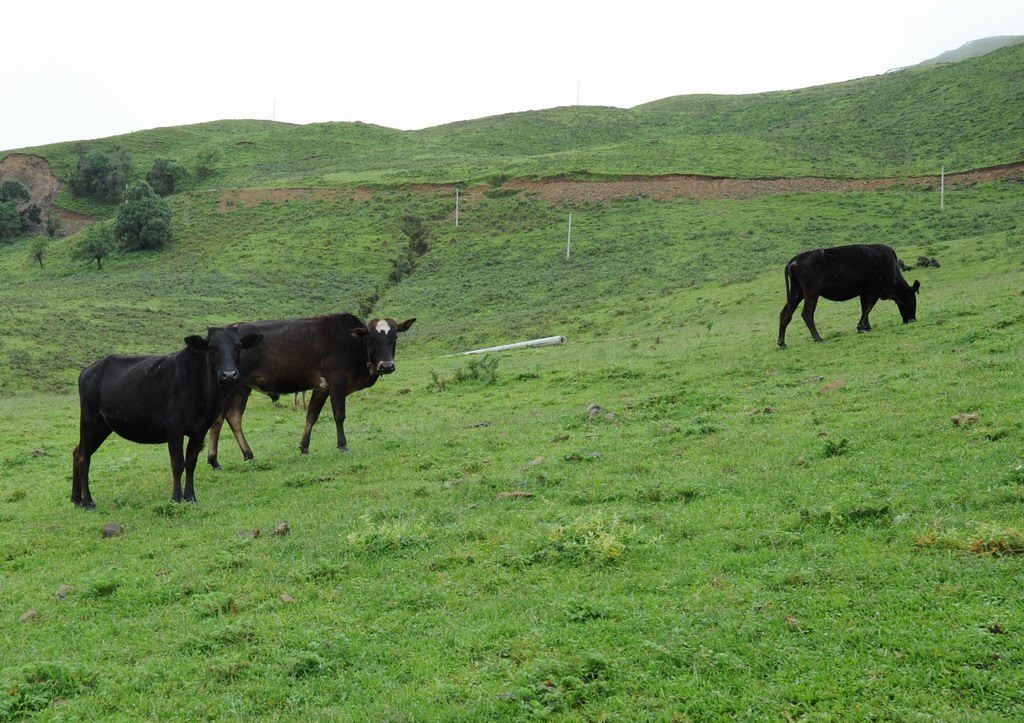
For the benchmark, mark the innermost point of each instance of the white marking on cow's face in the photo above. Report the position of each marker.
(382, 327)
(323, 383)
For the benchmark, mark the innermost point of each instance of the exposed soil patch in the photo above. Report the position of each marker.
(43, 186)
(563, 190)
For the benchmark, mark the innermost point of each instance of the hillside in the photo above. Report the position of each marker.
(910, 122)
(666, 518)
(974, 49)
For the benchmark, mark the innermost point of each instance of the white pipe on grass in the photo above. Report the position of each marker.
(546, 341)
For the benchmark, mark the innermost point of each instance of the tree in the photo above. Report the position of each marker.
(53, 224)
(31, 214)
(166, 176)
(10, 219)
(95, 244)
(40, 245)
(13, 190)
(206, 164)
(101, 175)
(143, 220)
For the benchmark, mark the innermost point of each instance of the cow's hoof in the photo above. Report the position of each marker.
(863, 331)
(86, 505)
(247, 456)
(819, 341)
(215, 464)
(303, 450)
(191, 500)
(782, 345)
(343, 448)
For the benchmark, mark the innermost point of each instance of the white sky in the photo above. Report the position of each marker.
(87, 69)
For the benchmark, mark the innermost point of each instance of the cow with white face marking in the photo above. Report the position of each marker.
(333, 355)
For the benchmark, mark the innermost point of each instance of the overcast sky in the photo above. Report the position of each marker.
(91, 69)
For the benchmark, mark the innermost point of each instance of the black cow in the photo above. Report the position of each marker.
(156, 399)
(334, 355)
(870, 271)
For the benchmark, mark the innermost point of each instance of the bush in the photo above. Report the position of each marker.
(95, 244)
(10, 219)
(38, 249)
(101, 175)
(166, 176)
(53, 223)
(143, 220)
(206, 164)
(13, 190)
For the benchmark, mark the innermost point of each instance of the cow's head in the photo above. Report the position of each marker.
(223, 347)
(906, 300)
(381, 336)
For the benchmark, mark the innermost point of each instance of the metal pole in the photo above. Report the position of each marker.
(942, 190)
(568, 244)
(456, 207)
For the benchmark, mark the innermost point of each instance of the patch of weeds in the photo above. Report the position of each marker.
(482, 370)
(594, 540)
(836, 448)
(856, 516)
(385, 537)
(700, 427)
(101, 587)
(226, 636)
(581, 611)
(552, 686)
(226, 668)
(34, 687)
(666, 493)
(214, 605)
(16, 496)
(987, 541)
(323, 570)
(448, 562)
(170, 509)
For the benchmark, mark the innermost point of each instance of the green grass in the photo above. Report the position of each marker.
(963, 115)
(740, 531)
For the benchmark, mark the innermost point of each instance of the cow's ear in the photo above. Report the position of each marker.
(407, 324)
(196, 343)
(251, 341)
(916, 287)
(359, 332)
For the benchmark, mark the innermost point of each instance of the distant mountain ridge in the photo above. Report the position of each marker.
(973, 49)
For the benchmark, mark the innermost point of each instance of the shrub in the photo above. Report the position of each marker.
(143, 220)
(53, 224)
(38, 249)
(95, 244)
(166, 176)
(205, 164)
(10, 219)
(13, 190)
(101, 175)
(482, 369)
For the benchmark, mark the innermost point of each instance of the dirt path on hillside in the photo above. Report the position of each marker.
(563, 190)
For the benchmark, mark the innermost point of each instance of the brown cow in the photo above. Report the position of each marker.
(334, 355)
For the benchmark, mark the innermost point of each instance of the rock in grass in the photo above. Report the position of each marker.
(281, 530)
(514, 495)
(28, 616)
(533, 463)
(963, 419)
(287, 599)
(63, 591)
(248, 534)
(112, 529)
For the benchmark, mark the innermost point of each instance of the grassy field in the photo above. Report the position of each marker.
(965, 115)
(737, 531)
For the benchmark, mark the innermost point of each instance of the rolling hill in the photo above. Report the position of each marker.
(701, 526)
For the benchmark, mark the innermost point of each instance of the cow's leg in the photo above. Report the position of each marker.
(174, 442)
(211, 454)
(867, 303)
(810, 303)
(91, 435)
(234, 417)
(793, 298)
(338, 390)
(316, 404)
(195, 446)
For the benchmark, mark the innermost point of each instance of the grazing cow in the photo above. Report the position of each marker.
(334, 355)
(870, 271)
(157, 399)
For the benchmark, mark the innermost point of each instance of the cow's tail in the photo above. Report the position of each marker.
(786, 272)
